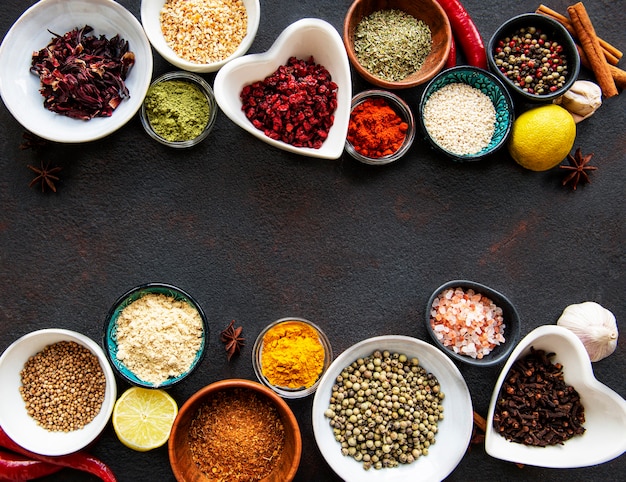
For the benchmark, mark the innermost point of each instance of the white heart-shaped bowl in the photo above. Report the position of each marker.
(605, 411)
(302, 39)
(31, 32)
(454, 431)
(14, 417)
(150, 19)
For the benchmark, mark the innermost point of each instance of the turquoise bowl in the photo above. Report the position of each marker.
(110, 326)
(488, 84)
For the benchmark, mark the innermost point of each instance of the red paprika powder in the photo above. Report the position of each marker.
(375, 129)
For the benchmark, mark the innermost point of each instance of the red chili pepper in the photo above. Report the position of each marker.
(451, 62)
(78, 460)
(466, 33)
(19, 467)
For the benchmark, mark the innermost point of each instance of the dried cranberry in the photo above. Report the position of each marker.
(295, 104)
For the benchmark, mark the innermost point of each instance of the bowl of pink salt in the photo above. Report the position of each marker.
(472, 323)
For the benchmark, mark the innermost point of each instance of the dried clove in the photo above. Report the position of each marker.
(535, 405)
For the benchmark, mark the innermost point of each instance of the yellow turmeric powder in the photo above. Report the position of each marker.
(292, 355)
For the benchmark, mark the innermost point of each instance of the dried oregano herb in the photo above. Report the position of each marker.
(391, 44)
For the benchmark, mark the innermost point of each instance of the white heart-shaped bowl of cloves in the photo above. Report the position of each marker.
(549, 410)
(297, 95)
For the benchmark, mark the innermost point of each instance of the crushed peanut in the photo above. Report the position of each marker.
(158, 337)
(204, 31)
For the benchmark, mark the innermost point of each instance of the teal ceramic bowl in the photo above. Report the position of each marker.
(489, 85)
(110, 333)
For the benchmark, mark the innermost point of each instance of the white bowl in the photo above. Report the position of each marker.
(605, 410)
(14, 419)
(302, 39)
(455, 430)
(31, 32)
(150, 18)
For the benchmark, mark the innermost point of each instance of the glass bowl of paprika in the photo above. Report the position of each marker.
(381, 128)
(290, 356)
(179, 109)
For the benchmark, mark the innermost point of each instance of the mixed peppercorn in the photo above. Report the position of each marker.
(532, 61)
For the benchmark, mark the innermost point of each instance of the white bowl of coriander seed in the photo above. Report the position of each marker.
(71, 415)
(195, 35)
(368, 429)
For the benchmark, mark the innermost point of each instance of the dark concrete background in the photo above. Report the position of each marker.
(256, 234)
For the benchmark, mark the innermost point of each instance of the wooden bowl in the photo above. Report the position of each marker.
(429, 11)
(181, 461)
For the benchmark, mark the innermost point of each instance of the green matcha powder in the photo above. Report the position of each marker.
(177, 110)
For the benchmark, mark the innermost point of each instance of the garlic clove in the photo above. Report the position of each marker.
(594, 325)
(581, 100)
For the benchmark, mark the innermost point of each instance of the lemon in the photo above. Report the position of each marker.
(143, 418)
(542, 137)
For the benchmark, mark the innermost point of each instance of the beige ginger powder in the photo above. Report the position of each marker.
(158, 337)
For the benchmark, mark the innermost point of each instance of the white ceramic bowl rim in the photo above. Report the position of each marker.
(150, 10)
(303, 38)
(20, 88)
(454, 431)
(605, 410)
(14, 419)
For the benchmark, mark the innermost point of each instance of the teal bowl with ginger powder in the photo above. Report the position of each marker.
(179, 109)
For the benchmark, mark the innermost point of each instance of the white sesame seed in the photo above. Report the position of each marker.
(460, 118)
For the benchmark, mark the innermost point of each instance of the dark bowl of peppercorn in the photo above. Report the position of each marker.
(68, 384)
(235, 429)
(535, 56)
(397, 44)
(381, 128)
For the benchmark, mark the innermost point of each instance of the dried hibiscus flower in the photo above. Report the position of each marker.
(82, 76)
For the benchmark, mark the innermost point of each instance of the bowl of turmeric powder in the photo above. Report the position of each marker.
(290, 356)
(381, 128)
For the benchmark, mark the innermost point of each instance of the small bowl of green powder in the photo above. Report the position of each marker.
(179, 109)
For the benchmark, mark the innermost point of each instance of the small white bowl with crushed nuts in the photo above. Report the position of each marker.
(223, 34)
(80, 410)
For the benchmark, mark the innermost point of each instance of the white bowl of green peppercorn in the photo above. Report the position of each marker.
(397, 356)
(179, 109)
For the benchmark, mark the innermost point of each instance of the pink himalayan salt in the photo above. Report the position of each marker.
(467, 322)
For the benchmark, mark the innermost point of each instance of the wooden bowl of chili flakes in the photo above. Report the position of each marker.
(262, 442)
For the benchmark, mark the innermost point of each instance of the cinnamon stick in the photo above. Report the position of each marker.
(619, 75)
(591, 46)
(612, 53)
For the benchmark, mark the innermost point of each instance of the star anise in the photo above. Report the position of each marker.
(45, 175)
(231, 336)
(578, 167)
(32, 141)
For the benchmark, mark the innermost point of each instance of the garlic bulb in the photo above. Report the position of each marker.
(581, 100)
(594, 325)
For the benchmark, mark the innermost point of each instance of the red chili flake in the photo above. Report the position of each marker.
(295, 104)
(82, 76)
